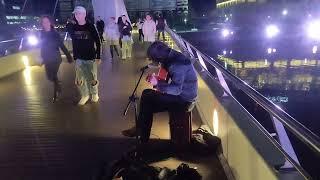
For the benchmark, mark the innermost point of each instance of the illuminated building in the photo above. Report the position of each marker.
(13, 12)
(65, 9)
(293, 74)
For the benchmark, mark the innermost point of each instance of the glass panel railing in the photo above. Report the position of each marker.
(305, 142)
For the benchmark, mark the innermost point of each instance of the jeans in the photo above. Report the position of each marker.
(86, 77)
(152, 102)
(126, 47)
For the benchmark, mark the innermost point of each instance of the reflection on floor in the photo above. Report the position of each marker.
(42, 140)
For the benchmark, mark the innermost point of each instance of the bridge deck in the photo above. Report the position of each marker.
(44, 140)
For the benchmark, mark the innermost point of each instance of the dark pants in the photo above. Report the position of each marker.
(141, 36)
(101, 35)
(115, 49)
(161, 31)
(120, 41)
(52, 69)
(152, 102)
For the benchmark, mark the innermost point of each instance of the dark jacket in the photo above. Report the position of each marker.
(183, 78)
(84, 39)
(125, 30)
(100, 25)
(50, 44)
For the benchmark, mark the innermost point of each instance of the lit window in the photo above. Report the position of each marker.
(16, 7)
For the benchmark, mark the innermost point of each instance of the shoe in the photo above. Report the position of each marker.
(132, 132)
(56, 92)
(83, 100)
(56, 96)
(95, 98)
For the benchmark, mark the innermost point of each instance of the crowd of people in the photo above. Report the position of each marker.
(119, 37)
(175, 92)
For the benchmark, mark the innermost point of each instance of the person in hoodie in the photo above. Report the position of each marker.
(86, 52)
(175, 94)
(125, 30)
(113, 35)
(51, 42)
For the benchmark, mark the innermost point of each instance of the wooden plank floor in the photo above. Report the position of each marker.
(44, 140)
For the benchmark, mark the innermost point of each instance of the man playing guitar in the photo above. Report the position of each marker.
(175, 88)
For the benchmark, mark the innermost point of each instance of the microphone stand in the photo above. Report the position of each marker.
(133, 101)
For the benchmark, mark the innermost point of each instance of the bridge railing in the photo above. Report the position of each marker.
(10, 46)
(205, 62)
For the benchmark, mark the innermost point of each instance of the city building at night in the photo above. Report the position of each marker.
(16, 12)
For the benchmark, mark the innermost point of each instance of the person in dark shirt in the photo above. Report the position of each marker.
(161, 23)
(84, 39)
(100, 27)
(50, 44)
(178, 91)
(127, 41)
(120, 25)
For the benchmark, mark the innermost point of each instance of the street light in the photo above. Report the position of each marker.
(272, 31)
(314, 30)
(285, 12)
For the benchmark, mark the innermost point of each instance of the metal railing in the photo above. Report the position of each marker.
(300, 131)
(11, 46)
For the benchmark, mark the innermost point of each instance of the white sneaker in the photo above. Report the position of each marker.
(95, 98)
(83, 100)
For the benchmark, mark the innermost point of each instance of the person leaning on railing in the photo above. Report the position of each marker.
(176, 93)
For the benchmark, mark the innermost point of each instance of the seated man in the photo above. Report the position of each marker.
(173, 95)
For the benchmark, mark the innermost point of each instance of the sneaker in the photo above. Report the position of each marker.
(83, 100)
(132, 132)
(95, 98)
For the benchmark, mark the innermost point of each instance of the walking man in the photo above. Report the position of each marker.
(84, 39)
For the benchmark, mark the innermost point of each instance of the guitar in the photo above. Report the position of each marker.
(161, 76)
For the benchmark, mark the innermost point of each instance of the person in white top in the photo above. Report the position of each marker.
(149, 29)
(113, 35)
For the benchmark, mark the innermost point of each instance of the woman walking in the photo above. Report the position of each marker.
(149, 30)
(50, 44)
(127, 41)
(120, 24)
(113, 35)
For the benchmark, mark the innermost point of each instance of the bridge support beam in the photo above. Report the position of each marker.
(109, 8)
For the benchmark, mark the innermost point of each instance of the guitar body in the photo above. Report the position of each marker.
(162, 74)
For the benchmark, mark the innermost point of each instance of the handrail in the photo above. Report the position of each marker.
(10, 40)
(299, 130)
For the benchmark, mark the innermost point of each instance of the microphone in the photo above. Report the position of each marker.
(151, 65)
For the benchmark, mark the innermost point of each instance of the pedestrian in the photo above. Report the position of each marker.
(149, 30)
(112, 35)
(100, 27)
(161, 23)
(50, 53)
(86, 52)
(127, 41)
(140, 25)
